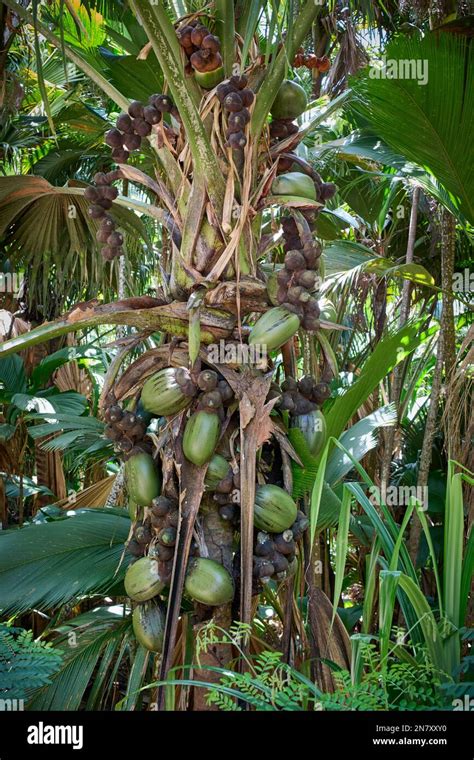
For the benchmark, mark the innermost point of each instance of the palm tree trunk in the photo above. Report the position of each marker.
(116, 488)
(445, 358)
(448, 233)
(398, 371)
(217, 536)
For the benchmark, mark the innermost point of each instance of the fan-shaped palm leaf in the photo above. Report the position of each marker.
(89, 640)
(429, 124)
(95, 495)
(49, 564)
(48, 230)
(358, 440)
(364, 144)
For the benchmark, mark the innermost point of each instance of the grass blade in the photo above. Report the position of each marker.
(342, 544)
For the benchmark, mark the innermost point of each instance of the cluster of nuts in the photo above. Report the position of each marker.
(281, 128)
(311, 61)
(156, 535)
(133, 126)
(227, 496)
(303, 396)
(101, 198)
(126, 429)
(324, 190)
(236, 98)
(123, 139)
(200, 46)
(298, 278)
(214, 392)
(274, 553)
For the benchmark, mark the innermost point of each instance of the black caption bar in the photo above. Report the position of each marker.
(375, 734)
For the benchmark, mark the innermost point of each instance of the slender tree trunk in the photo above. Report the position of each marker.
(397, 376)
(121, 330)
(448, 233)
(426, 453)
(445, 358)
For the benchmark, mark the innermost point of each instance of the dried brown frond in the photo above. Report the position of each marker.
(95, 495)
(350, 57)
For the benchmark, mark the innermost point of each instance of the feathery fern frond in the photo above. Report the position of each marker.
(25, 664)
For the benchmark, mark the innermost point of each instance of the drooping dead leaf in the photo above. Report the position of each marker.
(247, 411)
(284, 443)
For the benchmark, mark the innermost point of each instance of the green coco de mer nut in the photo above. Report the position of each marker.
(200, 437)
(143, 479)
(162, 396)
(274, 510)
(313, 428)
(274, 328)
(296, 184)
(209, 583)
(143, 580)
(148, 621)
(290, 101)
(217, 470)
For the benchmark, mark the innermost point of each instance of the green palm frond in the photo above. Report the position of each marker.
(80, 119)
(12, 375)
(346, 260)
(59, 73)
(90, 643)
(110, 9)
(137, 79)
(429, 124)
(14, 486)
(365, 194)
(391, 350)
(83, 355)
(69, 158)
(79, 437)
(17, 135)
(49, 401)
(358, 441)
(363, 144)
(46, 565)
